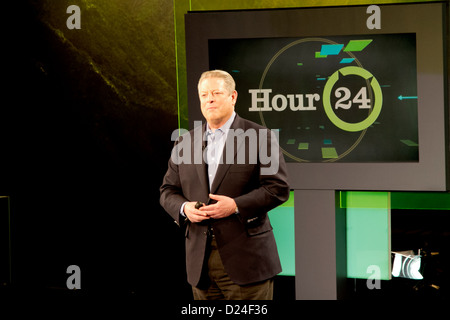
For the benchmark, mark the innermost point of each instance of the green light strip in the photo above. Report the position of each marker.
(421, 200)
(363, 199)
(176, 65)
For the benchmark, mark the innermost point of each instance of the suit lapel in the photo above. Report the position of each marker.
(224, 166)
(200, 165)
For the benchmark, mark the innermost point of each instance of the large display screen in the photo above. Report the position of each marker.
(347, 98)
(356, 107)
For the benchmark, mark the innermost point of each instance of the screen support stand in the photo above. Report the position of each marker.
(320, 245)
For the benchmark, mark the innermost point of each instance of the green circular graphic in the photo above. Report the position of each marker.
(347, 126)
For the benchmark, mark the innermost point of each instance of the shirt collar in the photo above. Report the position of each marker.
(225, 126)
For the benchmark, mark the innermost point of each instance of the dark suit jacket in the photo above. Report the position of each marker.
(245, 240)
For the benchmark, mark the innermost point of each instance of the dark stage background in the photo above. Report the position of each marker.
(85, 125)
(85, 122)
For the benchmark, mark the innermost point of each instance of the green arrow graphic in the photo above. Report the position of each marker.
(404, 98)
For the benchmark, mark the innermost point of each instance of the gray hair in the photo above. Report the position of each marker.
(230, 85)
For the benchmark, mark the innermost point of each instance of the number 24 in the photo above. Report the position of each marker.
(360, 98)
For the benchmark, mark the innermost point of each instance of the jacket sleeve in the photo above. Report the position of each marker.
(273, 187)
(171, 195)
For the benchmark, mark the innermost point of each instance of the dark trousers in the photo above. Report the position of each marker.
(218, 285)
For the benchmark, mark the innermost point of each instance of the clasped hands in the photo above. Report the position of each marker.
(224, 207)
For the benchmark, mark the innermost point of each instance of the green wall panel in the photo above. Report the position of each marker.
(368, 234)
(282, 220)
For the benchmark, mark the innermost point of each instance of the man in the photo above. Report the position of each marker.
(230, 248)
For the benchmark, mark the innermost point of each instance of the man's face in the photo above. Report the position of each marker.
(217, 104)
